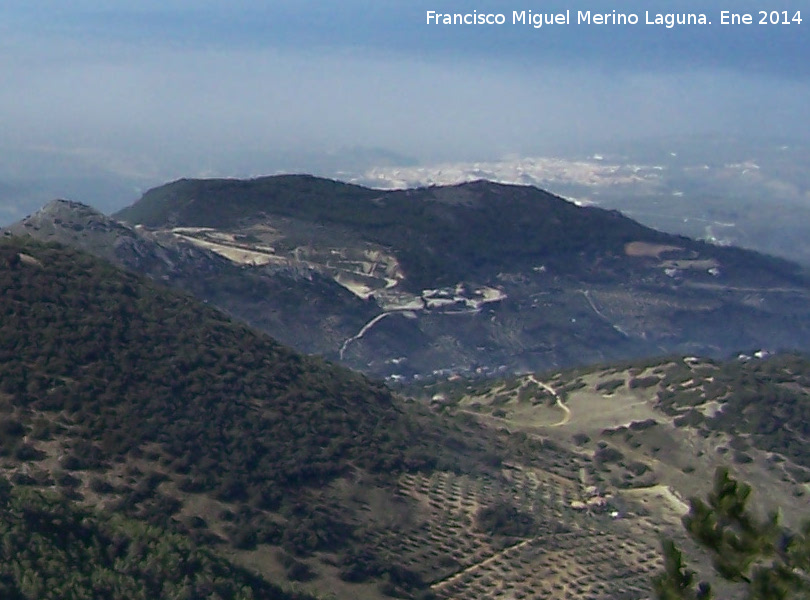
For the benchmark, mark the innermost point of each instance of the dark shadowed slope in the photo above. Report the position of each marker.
(137, 365)
(479, 277)
(298, 307)
(132, 398)
(52, 548)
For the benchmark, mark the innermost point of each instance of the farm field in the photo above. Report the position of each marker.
(628, 446)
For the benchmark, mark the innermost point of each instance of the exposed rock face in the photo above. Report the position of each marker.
(76, 224)
(477, 277)
(296, 305)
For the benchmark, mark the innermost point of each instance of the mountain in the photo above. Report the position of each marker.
(298, 306)
(478, 277)
(122, 397)
(488, 276)
(153, 431)
(440, 234)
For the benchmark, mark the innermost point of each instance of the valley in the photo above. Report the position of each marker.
(530, 444)
(344, 301)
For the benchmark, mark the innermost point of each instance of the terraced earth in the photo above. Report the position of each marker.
(631, 444)
(479, 278)
(554, 483)
(566, 554)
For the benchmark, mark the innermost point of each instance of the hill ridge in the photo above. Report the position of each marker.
(466, 278)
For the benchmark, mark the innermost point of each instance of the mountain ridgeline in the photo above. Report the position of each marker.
(442, 235)
(479, 277)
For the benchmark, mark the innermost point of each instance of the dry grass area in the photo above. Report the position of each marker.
(702, 265)
(594, 409)
(234, 253)
(618, 455)
(647, 249)
(530, 405)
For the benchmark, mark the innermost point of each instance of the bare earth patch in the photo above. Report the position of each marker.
(648, 249)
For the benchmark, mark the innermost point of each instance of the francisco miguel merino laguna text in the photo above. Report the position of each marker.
(583, 17)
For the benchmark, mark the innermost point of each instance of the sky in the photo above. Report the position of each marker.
(103, 98)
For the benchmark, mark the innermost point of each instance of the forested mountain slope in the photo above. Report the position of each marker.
(122, 397)
(473, 278)
(129, 397)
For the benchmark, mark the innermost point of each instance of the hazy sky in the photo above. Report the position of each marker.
(145, 91)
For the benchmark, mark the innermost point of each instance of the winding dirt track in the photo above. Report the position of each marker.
(558, 401)
(363, 331)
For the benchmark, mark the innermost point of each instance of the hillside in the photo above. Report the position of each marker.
(122, 397)
(54, 549)
(126, 396)
(483, 277)
(297, 306)
(141, 366)
(252, 463)
(661, 424)
(649, 435)
(474, 278)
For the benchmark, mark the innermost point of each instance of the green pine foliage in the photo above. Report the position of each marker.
(52, 549)
(767, 560)
(130, 364)
(117, 369)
